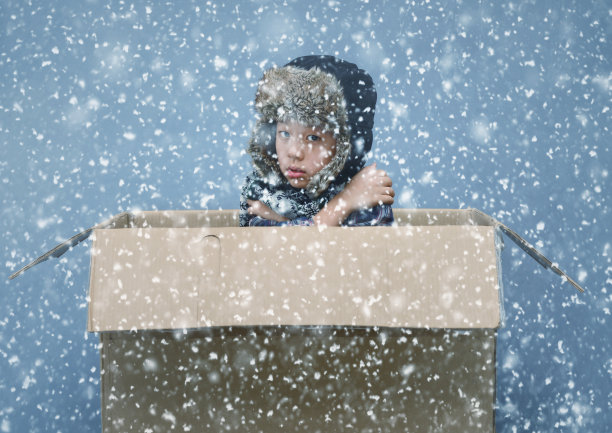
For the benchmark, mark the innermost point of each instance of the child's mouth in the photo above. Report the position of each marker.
(295, 173)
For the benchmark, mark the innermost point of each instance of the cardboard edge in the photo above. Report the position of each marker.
(495, 335)
(525, 246)
(56, 251)
(105, 379)
(91, 294)
(62, 247)
(499, 246)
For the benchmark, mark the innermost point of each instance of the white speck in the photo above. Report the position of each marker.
(27, 382)
(408, 369)
(214, 377)
(220, 63)
(427, 178)
(169, 416)
(93, 104)
(150, 365)
(406, 198)
(43, 222)
(580, 117)
(603, 82)
(205, 199)
(129, 136)
(510, 361)
(480, 131)
(187, 80)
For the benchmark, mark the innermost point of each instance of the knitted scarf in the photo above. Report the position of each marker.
(282, 198)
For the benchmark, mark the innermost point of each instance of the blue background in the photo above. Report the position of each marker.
(109, 106)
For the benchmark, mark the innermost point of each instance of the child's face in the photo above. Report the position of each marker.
(302, 151)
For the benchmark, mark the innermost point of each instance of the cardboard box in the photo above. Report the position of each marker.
(206, 326)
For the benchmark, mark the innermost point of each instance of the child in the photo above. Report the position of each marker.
(309, 146)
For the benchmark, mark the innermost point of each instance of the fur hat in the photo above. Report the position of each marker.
(315, 90)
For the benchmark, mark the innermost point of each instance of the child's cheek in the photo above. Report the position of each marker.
(322, 158)
(329, 154)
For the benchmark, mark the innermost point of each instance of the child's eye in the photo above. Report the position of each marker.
(283, 134)
(313, 137)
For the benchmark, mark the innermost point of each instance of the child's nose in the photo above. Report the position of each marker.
(296, 148)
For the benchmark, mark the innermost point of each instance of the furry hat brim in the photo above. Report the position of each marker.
(311, 97)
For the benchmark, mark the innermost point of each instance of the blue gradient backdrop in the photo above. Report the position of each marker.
(108, 106)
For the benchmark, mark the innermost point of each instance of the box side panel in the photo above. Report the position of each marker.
(286, 379)
(443, 277)
(142, 279)
(440, 277)
(297, 276)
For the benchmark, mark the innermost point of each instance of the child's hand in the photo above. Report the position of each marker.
(259, 209)
(368, 188)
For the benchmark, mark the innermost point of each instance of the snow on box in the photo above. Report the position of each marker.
(206, 326)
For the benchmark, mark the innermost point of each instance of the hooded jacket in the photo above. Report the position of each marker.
(333, 95)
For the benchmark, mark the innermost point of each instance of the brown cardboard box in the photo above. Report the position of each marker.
(206, 326)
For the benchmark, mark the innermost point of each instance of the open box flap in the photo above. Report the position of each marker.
(484, 219)
(120, 220)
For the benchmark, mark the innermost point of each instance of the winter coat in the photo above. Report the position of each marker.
(330, 94)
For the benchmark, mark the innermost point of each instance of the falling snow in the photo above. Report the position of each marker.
(109, 106)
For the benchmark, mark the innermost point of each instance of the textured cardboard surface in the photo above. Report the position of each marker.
(296, 329)
(406, 276)
(299, 380)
